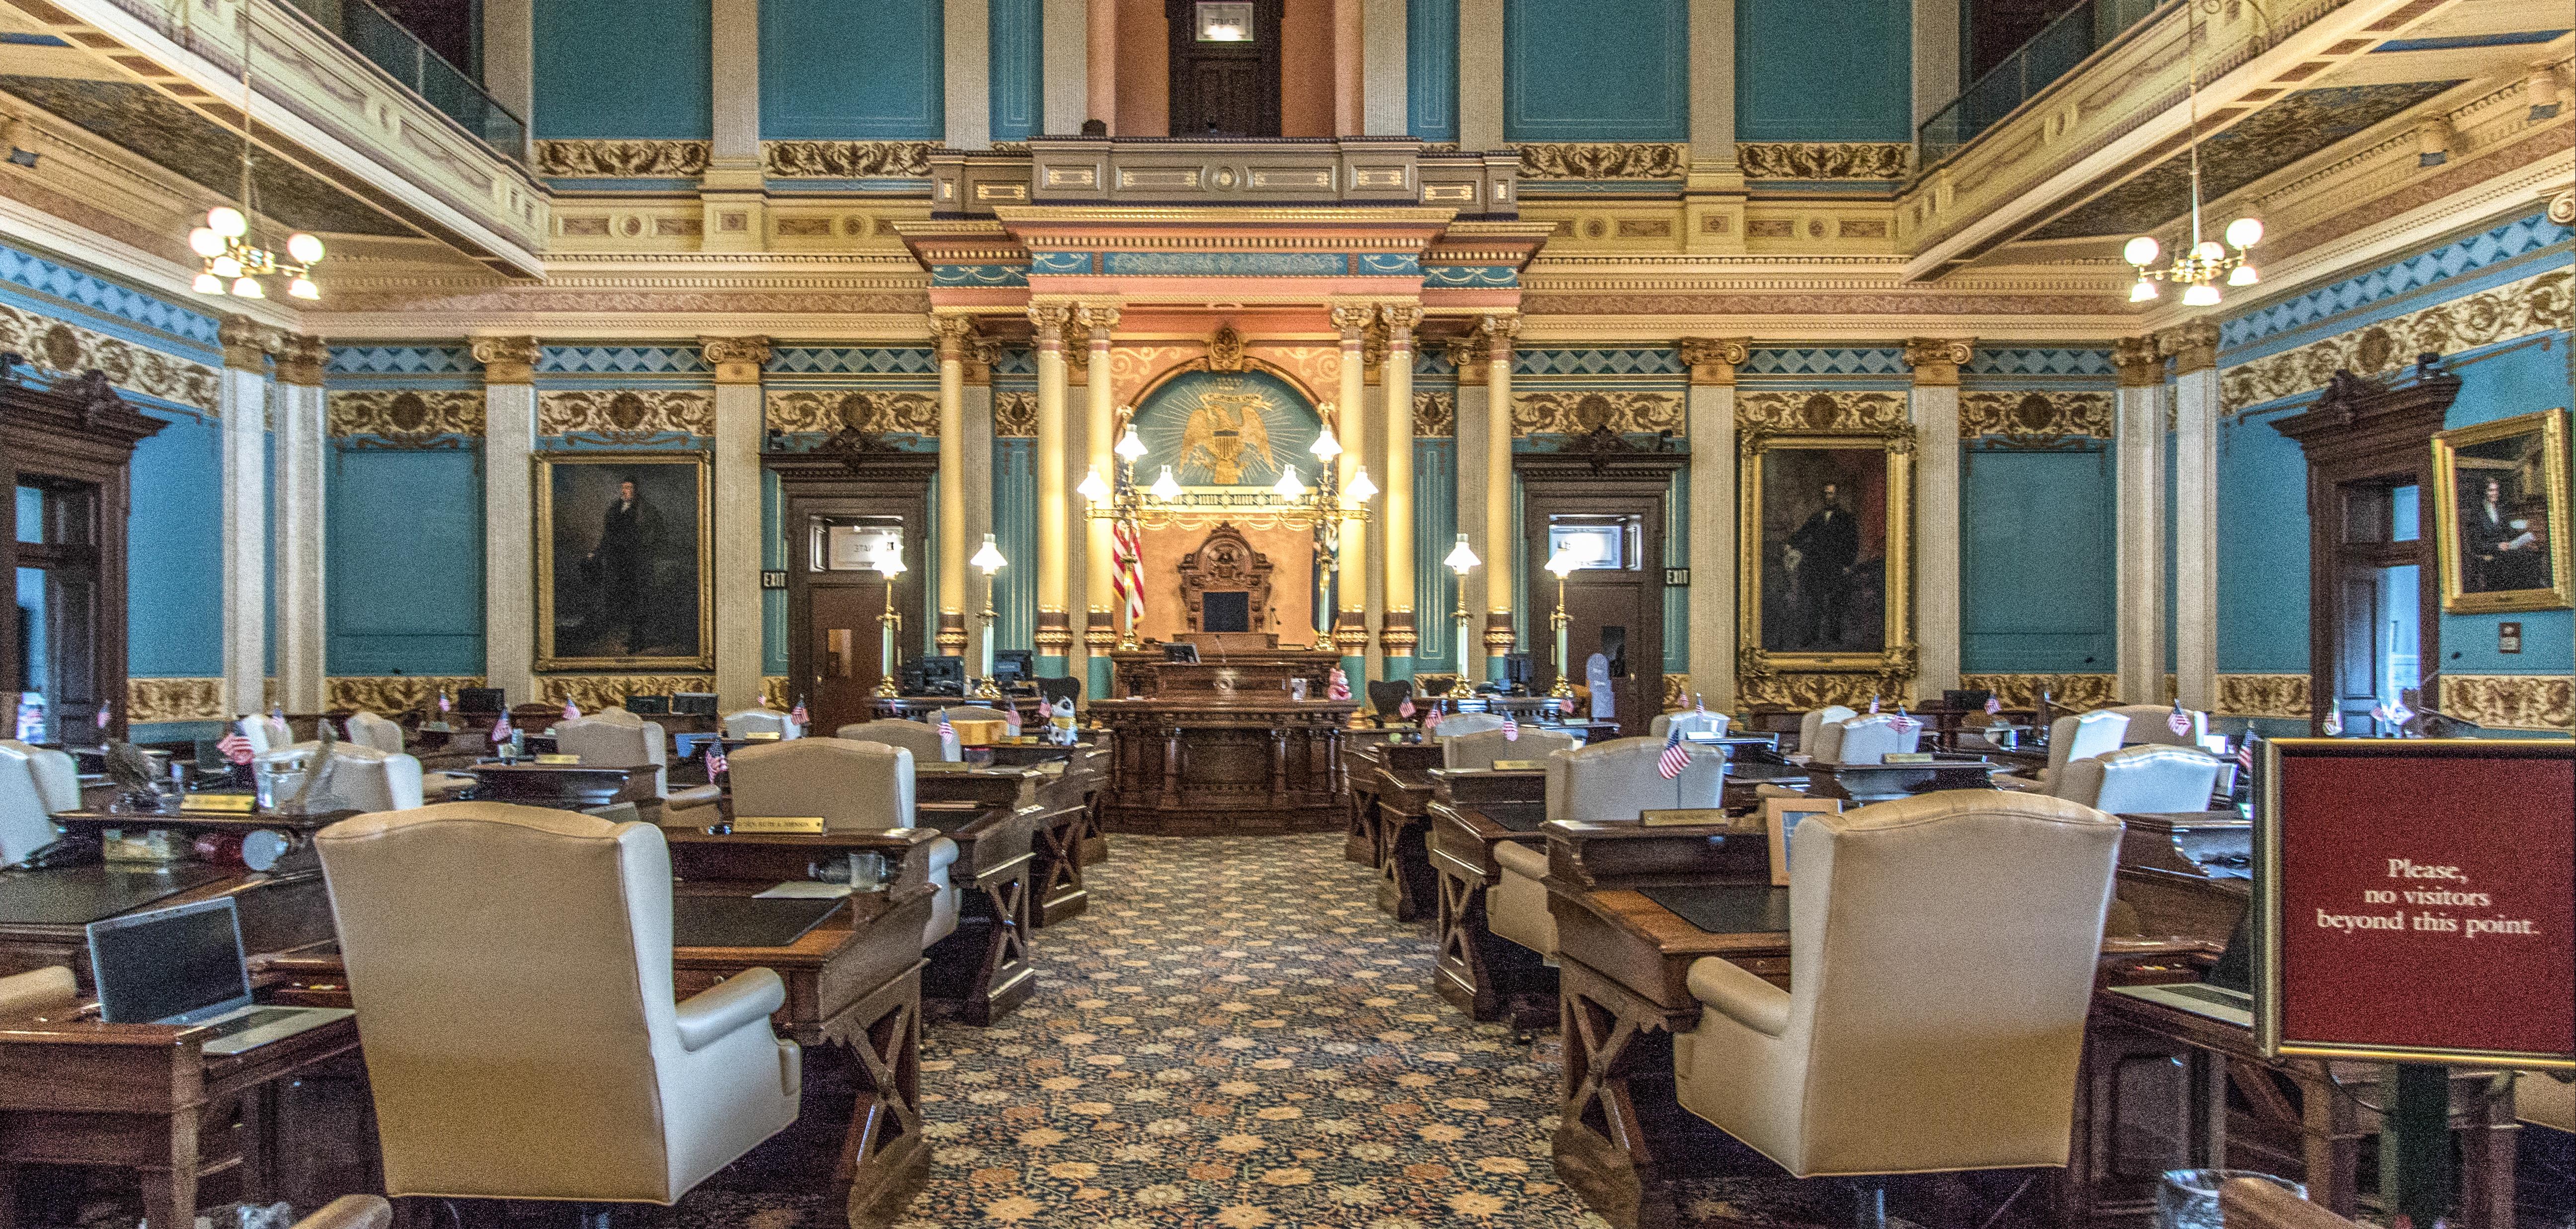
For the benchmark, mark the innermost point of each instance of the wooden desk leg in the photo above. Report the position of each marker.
(1600, 1147)
(1278, 766)
(1005, 977)
(1459, 973)
(1061, 894)
(1404, 888)
(1360, 843)
(886, 1158)
(2488, 1134)
(2330, 1136)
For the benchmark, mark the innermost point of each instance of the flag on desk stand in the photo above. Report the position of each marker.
(1675, 758)
(1404, 708)
(797, 714)
(444, 704)
(1511, 728)
(1010, 718)
(1430, 722)
(716, 764)
(1873, 703)
(234, 747)
(572, 711)
(1700, 701)
(946, 731)
(501, 729)
(1994, 707)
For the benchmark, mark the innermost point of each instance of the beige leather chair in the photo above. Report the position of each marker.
(366, 729)
(1868, 740)
(2147, 779)
(37, 990)
(1812, 725)
(365, 779)
(1459, 725)
(1482, 748)
(858, 785)
(511, 967)
(618, 716)
(1934, 1023)
(2077, 736)
(1610, 782)
(976, 712)
(923, 739)
(2544, 1100)
(2147, 724)
(267, 734)
(605, 742)
(1691, 721)
(35, 782)
(752, 721)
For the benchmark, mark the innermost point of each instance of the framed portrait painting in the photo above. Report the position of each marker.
(1823, 577)
(622, 545)
(2501, 515)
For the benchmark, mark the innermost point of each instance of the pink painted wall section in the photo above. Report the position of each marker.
(1306, 69)
(1144, 70)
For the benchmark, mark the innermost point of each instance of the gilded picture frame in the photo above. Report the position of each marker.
(2501, 517)
(624, 585)
(1811, 601)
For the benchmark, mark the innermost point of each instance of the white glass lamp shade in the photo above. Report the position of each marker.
(1564, 561)
(1361, 489)
(1289, 489)
(248, 288)
(227, 221)
(304, 248)
(989, 556)
(2142, 292)
(2201, 294)
(890, 561)
(208, 283)
(2210, 249)
(1325, 445)
(1460, 558)
(1092, 489)
(1166, 487)
(2244, 232)
(2142, 251)
(205, 242)
(2243, 275)
(1129, 446)
(225, 266)
(303, 288)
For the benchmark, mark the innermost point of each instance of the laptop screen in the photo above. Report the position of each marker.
(170, 965)
(2235, 967)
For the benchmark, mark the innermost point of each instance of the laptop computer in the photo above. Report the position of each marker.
(184, 966)
(2225, 993)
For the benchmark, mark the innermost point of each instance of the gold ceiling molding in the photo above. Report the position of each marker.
(1820, 411)
(2036, 416)
(1625, 411)
(2511, 701)
(594, 692)
(847, 159)
(1435, 414)
(2536, 304)
(638, 159)
(826, 412)
(2263, 695)
(174, 700)
(2066, 692)
(1805, 690)
(391, 693)
(1824, 159)
(1541, 160)
(404, 415)
(56, 346)
(625, 416)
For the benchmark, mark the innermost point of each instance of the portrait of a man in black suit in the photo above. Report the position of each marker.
(1824, 535)
(623, 560)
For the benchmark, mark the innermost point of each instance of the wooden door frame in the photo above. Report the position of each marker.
(1640, 483)
(77, 431)
(2363, 431)
(893, 484)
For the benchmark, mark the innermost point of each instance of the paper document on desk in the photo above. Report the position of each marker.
(803, 889)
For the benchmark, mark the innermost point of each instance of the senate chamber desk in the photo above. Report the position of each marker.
(1224, 748)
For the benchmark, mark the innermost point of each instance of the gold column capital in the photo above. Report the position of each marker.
(1401, 319)
(2140, 364)
(506, 360)
(1468, 357)
(737, 360)
(248, 343)
(1499, 330)
(300, 359)
(1936, 360)
(981, 354)
(954, 335)
(2193, 345)
(1713, 360)
(1100, 319)
(1352, 319)
(1050, 318)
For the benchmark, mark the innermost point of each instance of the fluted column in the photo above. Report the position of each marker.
(1350, 574)
(2194, 347)
(740, 418)
(2138, 453)
(954, 333)
(1100, 632)
(1384, 72)
(1054, 634)
(1397, 631)
(1502, 586)
(303, 445)
(1936, 362)
(1712, 515)
(242, 399)
(733, 207)
(1100, 62)
(509, 579)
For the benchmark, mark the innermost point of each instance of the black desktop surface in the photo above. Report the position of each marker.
(1727, 908)
(80, 895)
(746, 921)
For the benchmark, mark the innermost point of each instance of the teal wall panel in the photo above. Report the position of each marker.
(1608, 70)
(773, 557)
(174, 555)
(404, 562)
(624, 68)
(1015, 527)
(1824, 70)
(1016, 65)
(1431, 69)
(2035, 565)
(831, 70)
(2262, 550)
(1435, 531)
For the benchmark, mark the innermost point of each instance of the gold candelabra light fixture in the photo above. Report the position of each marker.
(1563, 562)
(2198, 266)
(1461, 560)
(234, 263)
(889, 624)
(989, 560)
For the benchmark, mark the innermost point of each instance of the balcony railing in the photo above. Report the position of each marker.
(2034, 66)
(386, 44)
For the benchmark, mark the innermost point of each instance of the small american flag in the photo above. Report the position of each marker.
(2245, 752)
(1010, 720)
(1430, 722)
(1903, 722)
(2179, 720)
(572, 711)
(234, 747)
(1404, 708)
(105, 715)
(1994, 707)
(1701, 702)
(716, 763)
(444, 704)
(1675, 758)
(501, 728)
(945, 729)
(1873, 704)
(1511, 729)
(797, 714)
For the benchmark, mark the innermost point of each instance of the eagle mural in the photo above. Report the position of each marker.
(1226, 429)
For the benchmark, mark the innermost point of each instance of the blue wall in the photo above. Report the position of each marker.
(2516, 378)
(174, 598)
(1824, 70)
(1015, 527)
(2035, 564)
(1431, 69)
(831, 70)
(1016, 65)
(404, 562)
(624, 68)
(1609, 70)
(2262, 550)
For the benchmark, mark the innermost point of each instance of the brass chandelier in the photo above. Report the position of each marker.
(235, 264)
(1288, 503)
(2198, 267)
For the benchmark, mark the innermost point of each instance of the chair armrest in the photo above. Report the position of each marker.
(692, 798)
(351, 1212)
(1742, 997)
(747, 997)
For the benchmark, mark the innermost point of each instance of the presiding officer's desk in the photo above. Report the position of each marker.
(1224, 747)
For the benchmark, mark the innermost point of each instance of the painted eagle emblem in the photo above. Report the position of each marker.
(1222, 432)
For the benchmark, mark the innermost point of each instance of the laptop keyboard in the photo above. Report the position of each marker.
(257, 1019)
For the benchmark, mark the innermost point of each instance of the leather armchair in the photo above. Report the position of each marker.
(619, 716)
(1457, 725)
(35, 782)
(266, 734)
(852, 785)
(606, 742)
(1691, 722)
(36, 990)
(923, 739)
(976, 712)
(365, 779)
(2147, 725)
(382, 734)
(2540, 1098)
(511, 968)
(1611, 781)
(752, 721)
(1482, 748)
(1812, 725)
(2146, 779)
(1933, 1024)
(2078, 736)
(1870, 739)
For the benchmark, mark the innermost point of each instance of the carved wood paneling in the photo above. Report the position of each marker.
(2073, 692)
(2511, 701)
(1819, 411)
(2263, 695)
(392, 693)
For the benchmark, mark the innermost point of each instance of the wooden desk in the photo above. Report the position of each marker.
(1404, 787)
(1140, 672)
(926, 708)
(283, 909)
(1211, 765)
(1365, 767)
(569, 787)
(1861, 784)
(2187, 874)
(1483, 975)
(985, 966)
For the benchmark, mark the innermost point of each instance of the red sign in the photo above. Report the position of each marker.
(2420, 898)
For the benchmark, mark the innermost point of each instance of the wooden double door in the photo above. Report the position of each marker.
(837, 518)
(1615, 516)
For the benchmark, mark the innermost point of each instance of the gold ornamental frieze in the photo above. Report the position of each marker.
(404, 417)
(627, 415)
(1543, 160)
(829, 411)
(1874, 160)
(636, 159)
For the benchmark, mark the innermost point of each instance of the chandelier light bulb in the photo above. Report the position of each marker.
(2244, 275)
(1325, 445)
(1460, 558)
(227, 221)
(989, 556)
(1167, 488)
(1289, 489)
(208, 283)
(303, 288)
(1361, 489)
(1092, 487)
(2143, 292)
(205, 242)
(2244, 232)
(224, 266)
(304, 248)
(2142, 251)
(248, 288)
(1129, 446)
(2200, 294)
(2209, 249)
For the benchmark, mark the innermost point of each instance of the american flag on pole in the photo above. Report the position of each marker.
(797, 714)
(1127, 551)
(444, 704)
(572, 711)
(945, 729)
(1511, 728)
(1675, 758)
(1430, 721)
(1404, 708)
(501, 728)
(234, 747)
(716, 763)
(1010, 718)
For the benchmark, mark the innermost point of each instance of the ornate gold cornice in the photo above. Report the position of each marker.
(625, 416)
(2036, 418)
(1625, 411)
(1824, 159)
(1869, 412)
(300, 358)
(1544, 160)
(800, 412)
(57, 346)
(598, 691)
(847, 159)
(174, 700)
(2511, 701)
(248, 343)
(506, 360)
(404, 417)
(2139, 362)
(622, 159)
(737, 360)
(2066, 692)
(2193, 345)
(2262, 695)
(391, 693)
(2535, 304)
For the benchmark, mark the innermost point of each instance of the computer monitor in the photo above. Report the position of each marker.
(1965, 699)
(1181, 653)
(175, 966)
(1015, 665)
(1516, 670)
(694, 703)
(480, 700)
(943, 675)
(648, 705)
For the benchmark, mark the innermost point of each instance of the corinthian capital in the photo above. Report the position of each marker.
(1100, 319)
(1353, 318)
